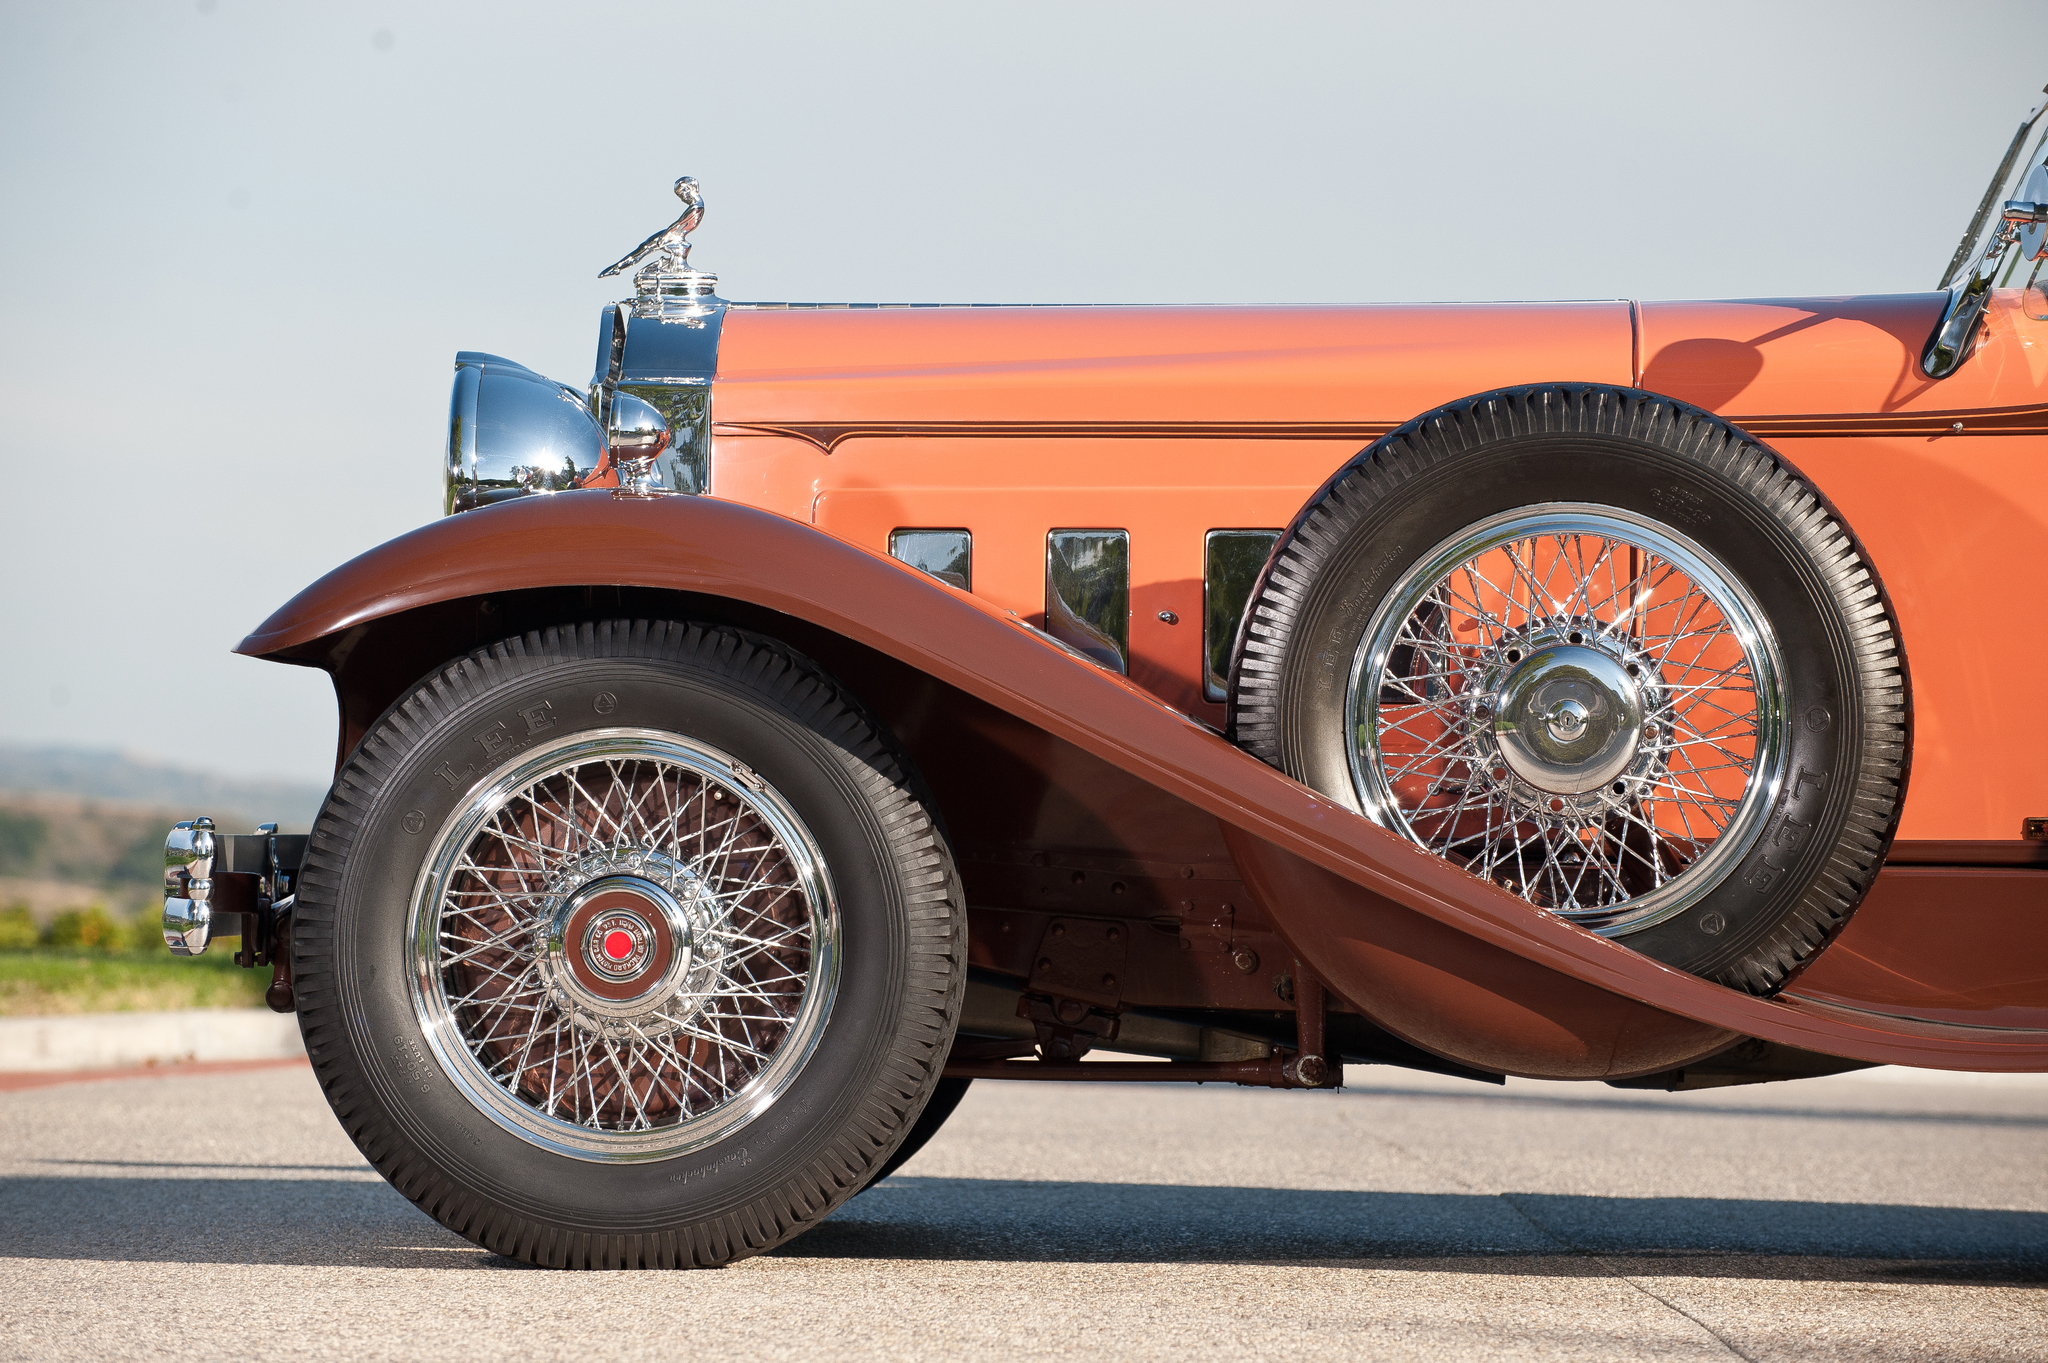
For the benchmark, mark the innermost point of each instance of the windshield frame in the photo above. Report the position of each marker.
(1984, 224)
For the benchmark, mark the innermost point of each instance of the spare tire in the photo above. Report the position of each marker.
(1605, 650)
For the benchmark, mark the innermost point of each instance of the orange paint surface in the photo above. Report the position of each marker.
(1959, 531)
(1229, 366)
(1285, 364)
(1955, 523)
(1835, 357)
(1009, 553)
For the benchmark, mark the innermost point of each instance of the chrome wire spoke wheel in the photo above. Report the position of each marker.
(1577, 703)
(624, 946)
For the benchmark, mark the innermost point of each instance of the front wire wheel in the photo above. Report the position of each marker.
(1576, 703)
(622, 947)
(630, 943)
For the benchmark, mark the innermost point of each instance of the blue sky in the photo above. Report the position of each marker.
(242, 242)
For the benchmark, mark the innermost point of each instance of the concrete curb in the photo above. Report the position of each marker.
(91, 1041)
(22, 1081)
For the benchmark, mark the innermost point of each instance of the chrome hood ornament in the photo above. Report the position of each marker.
(667, 285)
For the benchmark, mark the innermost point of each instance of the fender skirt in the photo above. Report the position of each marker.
(1433, 954)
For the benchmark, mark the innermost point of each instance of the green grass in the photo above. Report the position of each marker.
(48, 980)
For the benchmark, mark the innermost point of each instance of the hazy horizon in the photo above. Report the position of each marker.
(243, 242)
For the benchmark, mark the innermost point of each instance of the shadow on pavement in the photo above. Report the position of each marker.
(364, 1222)
(360, 1221)
(1543, 1233)
(1675, 1105)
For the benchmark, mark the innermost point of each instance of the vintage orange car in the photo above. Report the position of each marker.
(833, 705)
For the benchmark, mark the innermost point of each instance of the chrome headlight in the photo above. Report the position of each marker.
(512, 432)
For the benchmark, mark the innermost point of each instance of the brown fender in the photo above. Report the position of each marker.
(1428, 951)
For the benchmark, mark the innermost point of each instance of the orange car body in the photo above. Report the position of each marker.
(1170, 422)
(1070, 790)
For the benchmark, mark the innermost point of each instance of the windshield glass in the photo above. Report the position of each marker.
(2021, 156)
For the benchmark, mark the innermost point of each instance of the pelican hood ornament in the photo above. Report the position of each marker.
(667, 285)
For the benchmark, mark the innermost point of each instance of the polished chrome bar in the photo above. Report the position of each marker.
(947, 555)
(188, 886)
(1088, 593)
(1231, 560)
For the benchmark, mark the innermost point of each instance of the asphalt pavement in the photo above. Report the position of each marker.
(1880, 1217)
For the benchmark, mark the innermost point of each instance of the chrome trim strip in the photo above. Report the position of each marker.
(827, 436)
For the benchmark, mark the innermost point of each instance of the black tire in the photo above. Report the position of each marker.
(944, 1099)
(900, 948)
(1846, 699)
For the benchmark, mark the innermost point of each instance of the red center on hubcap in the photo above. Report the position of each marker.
(618, 944)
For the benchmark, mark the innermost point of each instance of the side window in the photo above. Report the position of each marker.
(1231, 560)
(1088, 593)
(947, 555)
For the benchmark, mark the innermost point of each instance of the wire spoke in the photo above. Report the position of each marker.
(1462, 785)
(740, 942)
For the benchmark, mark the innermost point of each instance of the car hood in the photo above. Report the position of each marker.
(1779, 367)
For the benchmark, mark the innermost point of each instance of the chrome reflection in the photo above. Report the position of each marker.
(1576, 703)
(947, 555)
(2027, 216)
(1231, 560)
(2000, 223)
(654, 376)
(188, 887)
(667, 286)
(1088, 593)
(512, 433)
(639, 436)
(673, 421)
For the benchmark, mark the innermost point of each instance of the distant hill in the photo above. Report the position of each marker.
(118, 776)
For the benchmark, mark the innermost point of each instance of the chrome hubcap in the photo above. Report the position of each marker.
(618, 949)
(1568, 719)
(624, 946)
(1577, 703)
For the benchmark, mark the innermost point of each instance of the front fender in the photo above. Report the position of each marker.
(1425, 949)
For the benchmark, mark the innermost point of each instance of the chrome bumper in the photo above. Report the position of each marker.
(228, 885)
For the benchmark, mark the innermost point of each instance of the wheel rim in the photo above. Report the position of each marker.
(623, 946)
(1576, 703)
